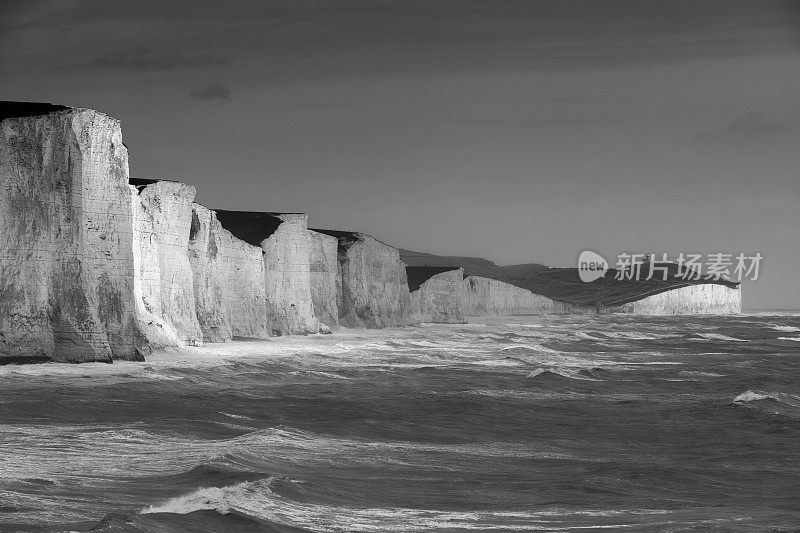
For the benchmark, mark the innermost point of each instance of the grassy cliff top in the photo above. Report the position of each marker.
(249, 226)
(417, 275)
(10, 109)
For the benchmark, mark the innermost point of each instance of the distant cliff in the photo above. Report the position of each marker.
(484, 296)
(564, 285)
(437, 294)
(706, 299)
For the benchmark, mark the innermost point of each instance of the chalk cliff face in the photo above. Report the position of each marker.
(324, 269)
(373, 288)
(440, 299)
(229, 280)
(162, 214)
(705, 299)
(66, 252)
(288, 277)
(484, 296)
(285, 244)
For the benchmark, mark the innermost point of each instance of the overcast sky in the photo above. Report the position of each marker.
(519, 131)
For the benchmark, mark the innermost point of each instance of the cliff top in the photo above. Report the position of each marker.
(430, 260)
(344, 237)
(10, 109)
(565, 285)
(249, 226)
(141, 183)
(417, 275)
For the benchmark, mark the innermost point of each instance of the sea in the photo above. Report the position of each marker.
(516, 423)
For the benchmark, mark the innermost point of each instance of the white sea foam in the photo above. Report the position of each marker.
(235, 416)
(640, 336)
(698, 374)
(499, 362)
(796, 339)
(787, 329)
(720, 337)
(750, 396)
(533, 347)
(563, 372)
(591, 335)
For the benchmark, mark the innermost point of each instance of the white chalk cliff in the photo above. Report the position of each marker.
(66, 250)
(162, 213)
(324, 271)
(288, 277)
(229, 280)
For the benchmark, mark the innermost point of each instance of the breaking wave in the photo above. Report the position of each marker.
(787, 329)
(580, 375)
(259, 500)
(773, 403)
(756, 396)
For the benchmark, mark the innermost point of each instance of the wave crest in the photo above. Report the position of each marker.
(258, 500)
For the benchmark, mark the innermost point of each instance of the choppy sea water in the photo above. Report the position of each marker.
(516, 424)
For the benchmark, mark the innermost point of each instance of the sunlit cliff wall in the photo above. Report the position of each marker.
(483, 296)
(229, 280)
(162, 212)
(288, 277)
(66, 251)
(324, 268)
(373, 288)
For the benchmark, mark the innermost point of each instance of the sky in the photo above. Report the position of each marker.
(516, 130)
